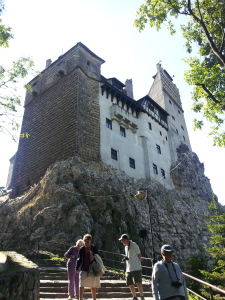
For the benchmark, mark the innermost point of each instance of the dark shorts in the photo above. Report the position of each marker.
(133, 277)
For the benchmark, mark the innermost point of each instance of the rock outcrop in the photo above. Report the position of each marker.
(74, 198)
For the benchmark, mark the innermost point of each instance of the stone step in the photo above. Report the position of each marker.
(104, 284)
(54, 285)
(57, 276)
(52, 269)
(57, 288)
(128, 298)
(54, 277)
(53, 274)
(108, 295)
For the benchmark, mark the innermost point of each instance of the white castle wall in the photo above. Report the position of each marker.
(139, 145)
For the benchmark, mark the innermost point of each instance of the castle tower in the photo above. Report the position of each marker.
(61, 116)
(167, 95)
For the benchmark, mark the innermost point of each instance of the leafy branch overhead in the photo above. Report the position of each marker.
(9, 99)
(9, 80)
(204, 27)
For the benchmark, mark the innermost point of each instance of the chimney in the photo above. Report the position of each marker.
(129, 88)
(48, 63)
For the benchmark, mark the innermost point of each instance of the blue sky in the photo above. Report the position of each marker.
(47, 28)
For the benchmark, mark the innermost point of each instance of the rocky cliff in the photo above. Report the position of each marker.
(74, 198)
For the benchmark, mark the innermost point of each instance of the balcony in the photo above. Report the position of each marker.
(124, 118)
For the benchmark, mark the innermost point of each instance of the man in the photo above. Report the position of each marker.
(167, 279)
(133, 265)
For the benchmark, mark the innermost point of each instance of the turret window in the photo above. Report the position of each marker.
(132, 163)
(122, 131)
(149, 125)
(155, 171)
(108, 123)
(163, 173)
(158, 149)
(113, 154)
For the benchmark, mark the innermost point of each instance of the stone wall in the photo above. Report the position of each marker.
(22, 281)
(61, 116)
(76, 197)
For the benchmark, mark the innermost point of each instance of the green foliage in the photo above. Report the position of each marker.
(9, 80)
(2, 190)
(9, 100)
(196, 263)
(216, 225)
(205, 28)
(5, 31)
(5, 35)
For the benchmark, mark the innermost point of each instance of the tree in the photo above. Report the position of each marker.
(195, 264)
(205, 27)
(216, 225)
(9, 79)
(210, 270)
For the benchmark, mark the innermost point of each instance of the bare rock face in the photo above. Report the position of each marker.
(75, 198)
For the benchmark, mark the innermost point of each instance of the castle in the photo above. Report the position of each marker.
(73, 110)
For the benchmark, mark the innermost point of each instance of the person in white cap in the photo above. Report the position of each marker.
(133, 265)
(167, 278)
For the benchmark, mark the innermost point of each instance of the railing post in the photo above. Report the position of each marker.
(211, 293)
(37, 248)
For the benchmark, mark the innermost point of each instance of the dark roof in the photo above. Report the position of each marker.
(153, 102)
(106, 85)
(86, 48)
(61, 56)
(116, 80)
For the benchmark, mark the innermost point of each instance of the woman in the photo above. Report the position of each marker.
(86, 257)
(73, 277)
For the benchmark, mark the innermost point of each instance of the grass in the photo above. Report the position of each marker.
(11, 268)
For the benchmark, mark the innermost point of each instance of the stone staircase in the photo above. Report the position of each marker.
(54, 284)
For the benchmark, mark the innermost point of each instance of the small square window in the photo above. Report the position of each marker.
(108, 123)
(113, 154)
(158, 149)
(166, 137)
(170, 101)
(163, 173)
(88, 63)
(149, 125)
(122, 131)
(155, 171)
(178, 111)
(132, 163)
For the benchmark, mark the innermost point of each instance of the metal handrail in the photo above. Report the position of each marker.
(205, 283)
(111, 262)
(196, 294)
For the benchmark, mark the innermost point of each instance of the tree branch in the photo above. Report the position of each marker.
(207, 34)
(176, 9)
(210, 95)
